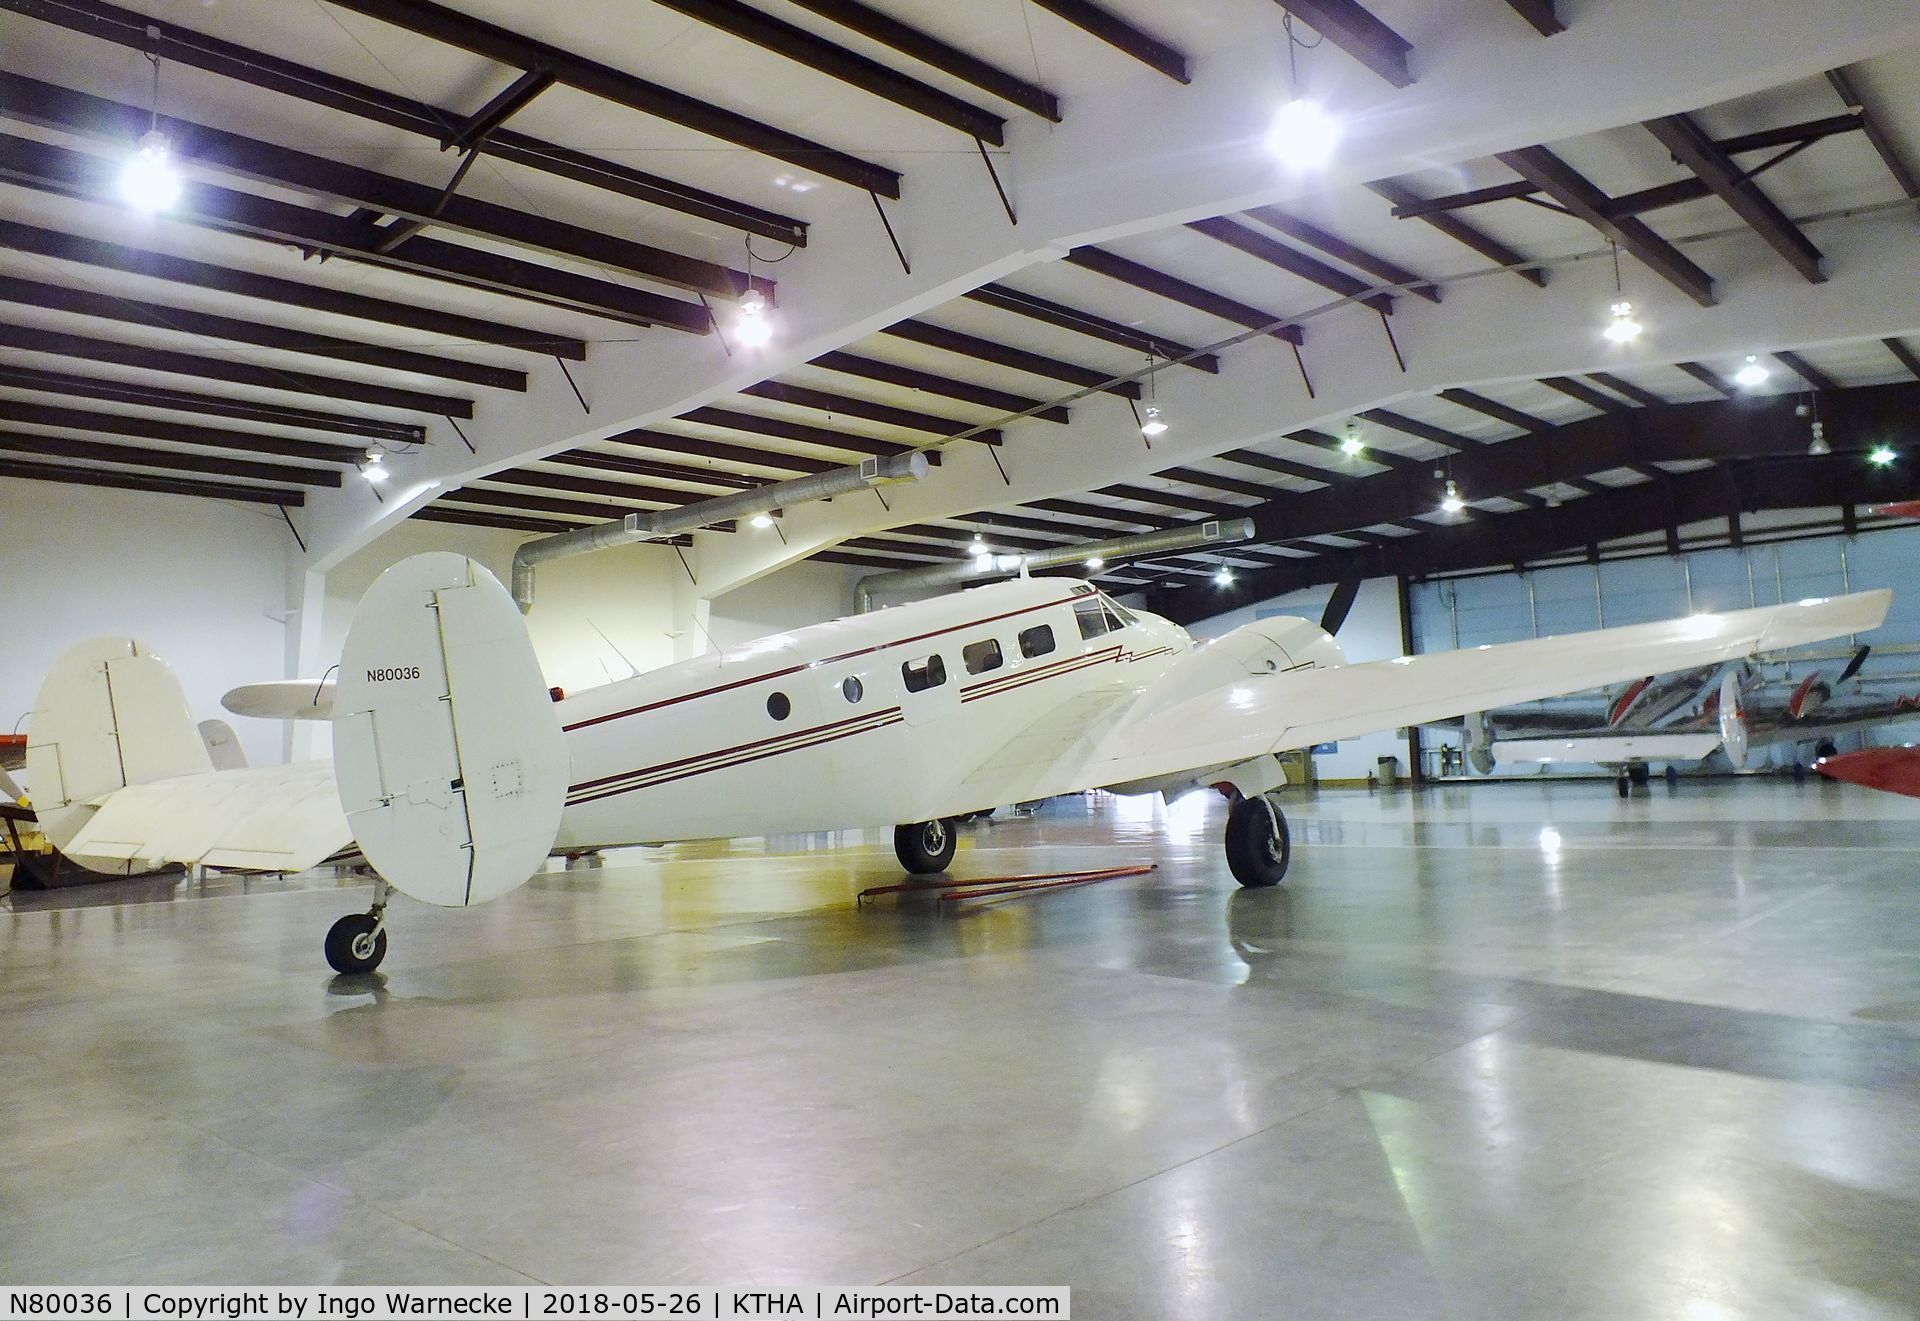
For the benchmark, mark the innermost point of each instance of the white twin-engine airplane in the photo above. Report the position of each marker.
(457, 772)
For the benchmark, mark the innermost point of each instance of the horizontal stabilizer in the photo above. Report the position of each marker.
(265, 818)
(282, 699)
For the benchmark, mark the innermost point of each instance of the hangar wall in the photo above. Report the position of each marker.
(201, 581)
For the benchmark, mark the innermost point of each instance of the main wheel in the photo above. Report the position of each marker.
(353, 945)
(1640, 773)
(1258, 846)
(1622, 784)
(925, 847)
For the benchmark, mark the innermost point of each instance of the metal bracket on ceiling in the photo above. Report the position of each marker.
(1392, 343)
(1138, 423)
(714, 321)
(291, 528)
(570, 381)
(892, 238)
(1301, 363)
(994, 450)
(458, 432)
(998, 187)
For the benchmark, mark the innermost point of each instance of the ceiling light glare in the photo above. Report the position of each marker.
(1095, 562)
(983, 563)
(374, 466)
(1008, 563)
(752, 326)
(1623, 328)
(763, 520)
(1303, 135)
(1223, 577)
(1156, 422)
(1751, 373)
(1451, 503)
(149, 182)
(1351, 444)
(1882, 456)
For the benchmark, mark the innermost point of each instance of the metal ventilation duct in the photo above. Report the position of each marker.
(1217, 531)
(654, 524)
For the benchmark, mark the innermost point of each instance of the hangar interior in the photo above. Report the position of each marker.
(1442, 325)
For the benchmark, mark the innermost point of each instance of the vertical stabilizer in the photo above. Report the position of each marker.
(109, 714)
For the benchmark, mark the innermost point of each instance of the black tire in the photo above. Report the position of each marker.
(349, 950)
(925, 847)
(1259, 846)
(1623, 785)
(1640, 773)
(1825, 748)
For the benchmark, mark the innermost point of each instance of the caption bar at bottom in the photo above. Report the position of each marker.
(529, 1303)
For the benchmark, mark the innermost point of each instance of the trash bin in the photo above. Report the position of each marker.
(1388, 770)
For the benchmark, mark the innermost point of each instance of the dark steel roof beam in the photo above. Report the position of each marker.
(1178, 500)
(1108, 514)
(721, 450)
(871, 369)
(1638, 394)
(1570, 189)
(84, 302)
(800, 396)
(63, 447)
(984, 350)
(1216, 481)
(180, 433)
(1806, 371)
(1493, 408)
(772, 426)
(1905, 355)
(127, 481)
(1414, 427)
(1340, 250)
(60, 344)
(284, 293)
(1697, 152)
(1332, 444)
(1585, 393)
(1459, 231)
(436, 513)
(1094, 327)
(77, 174)
(1356, 31)
(258, 69)
(641, 467)
(1539, 13)
(1842, 82)
(1121, 35)
(912, 42)
(187, 401)
(506, 103)
(1293, 262)
(487, 496)
(1708, 377)
(1304, 471)
(49, 106)
(1162, 285)
(610, 84)
(566, 482)
(837, 62)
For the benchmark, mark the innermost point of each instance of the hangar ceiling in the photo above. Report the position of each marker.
(506, 248)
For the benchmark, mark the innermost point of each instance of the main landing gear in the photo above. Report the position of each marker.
(1258, 846)
(1634, 775)
(358, 941)
(925, 847)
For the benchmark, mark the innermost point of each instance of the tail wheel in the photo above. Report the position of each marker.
(1258, 845)
(356, 943)
(925, 847)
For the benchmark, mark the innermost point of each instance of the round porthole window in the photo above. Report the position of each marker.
(850, 688)
(779, 707)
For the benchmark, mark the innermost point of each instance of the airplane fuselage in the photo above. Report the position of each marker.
(888, 717)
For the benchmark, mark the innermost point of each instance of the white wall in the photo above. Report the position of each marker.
(200, 581)
(1371, 632)
(806, 593)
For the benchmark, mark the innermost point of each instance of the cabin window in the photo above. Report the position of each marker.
(927, 672)
(1091, 616)
(778, 706)
(982, 656)
(1036, 641)
(851, 688)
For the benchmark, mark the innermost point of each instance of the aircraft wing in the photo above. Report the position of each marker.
(265, 818)
(1271, 713)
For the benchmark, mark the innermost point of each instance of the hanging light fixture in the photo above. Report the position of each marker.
(1819, 446)
(1451, 503)
(1622, 328)
(1095, 562)
(1751, 373)
(1882, 456)
(374, 466)
(1223, 577)
(149, 180)
(1304, 135)
(1153, 420)
(753, 315)
(766, 518)
(1351, 444)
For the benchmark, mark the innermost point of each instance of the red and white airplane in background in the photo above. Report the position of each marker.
(457, 773)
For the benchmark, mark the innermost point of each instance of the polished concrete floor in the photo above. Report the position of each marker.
(1496, 1051)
